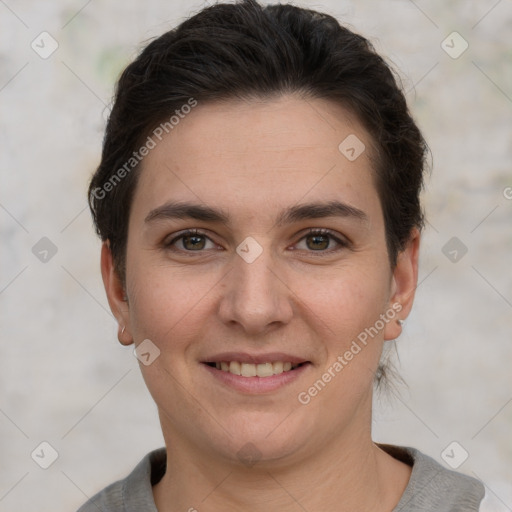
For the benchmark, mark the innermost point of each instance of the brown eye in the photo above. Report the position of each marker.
(321, 241)
(193, 242)
(189, 241)
(317, 242)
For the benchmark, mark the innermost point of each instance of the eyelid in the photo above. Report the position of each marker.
(341, 241)
(169, 241)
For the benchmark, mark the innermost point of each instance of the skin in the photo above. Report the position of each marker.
(252, 160)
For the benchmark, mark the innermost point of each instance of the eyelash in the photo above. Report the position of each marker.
(342, 244)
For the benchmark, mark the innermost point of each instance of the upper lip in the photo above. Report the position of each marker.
(244, 357)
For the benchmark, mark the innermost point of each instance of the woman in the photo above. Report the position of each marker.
(258, 202)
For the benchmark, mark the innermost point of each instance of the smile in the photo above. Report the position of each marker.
(255, 370)
(257, 377)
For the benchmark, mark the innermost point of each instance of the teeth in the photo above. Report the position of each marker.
(234, 367)
(264, 370)
(249, 370)
(255, 370)
(277, 367)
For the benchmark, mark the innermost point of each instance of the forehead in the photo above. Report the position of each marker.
(259, 153)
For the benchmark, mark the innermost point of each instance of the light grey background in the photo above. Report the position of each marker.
(64, 378)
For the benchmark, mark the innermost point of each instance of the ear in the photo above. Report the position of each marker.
(115, 294)
(403, 285)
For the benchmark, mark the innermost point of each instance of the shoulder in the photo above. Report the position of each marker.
(433, 487)
(109, 499)
(132, 493)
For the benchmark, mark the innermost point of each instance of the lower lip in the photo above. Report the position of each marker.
(257, 385)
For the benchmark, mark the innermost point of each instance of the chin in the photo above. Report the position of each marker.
(262, 437)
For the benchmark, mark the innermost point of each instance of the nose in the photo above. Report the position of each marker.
(255, 295)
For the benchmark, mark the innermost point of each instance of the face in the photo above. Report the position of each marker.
(253, 239)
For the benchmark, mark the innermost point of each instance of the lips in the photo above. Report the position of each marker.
(256, 378)
(252, 365)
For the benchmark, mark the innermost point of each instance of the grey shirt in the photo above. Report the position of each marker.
(430, 488)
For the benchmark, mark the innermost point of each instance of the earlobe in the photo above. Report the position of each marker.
(115, 294)
(403, 286)
(124, 336)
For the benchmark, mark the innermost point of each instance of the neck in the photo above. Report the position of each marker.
(347, 474)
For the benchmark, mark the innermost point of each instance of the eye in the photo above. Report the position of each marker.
(316, 240)
(191, 240)
(321, 240)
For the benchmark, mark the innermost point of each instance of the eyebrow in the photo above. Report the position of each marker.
(318, 211)
(186, 210)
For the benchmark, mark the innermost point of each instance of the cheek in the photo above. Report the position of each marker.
(167, 305)
(342, 312)
(173, 304)
(345, 301)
